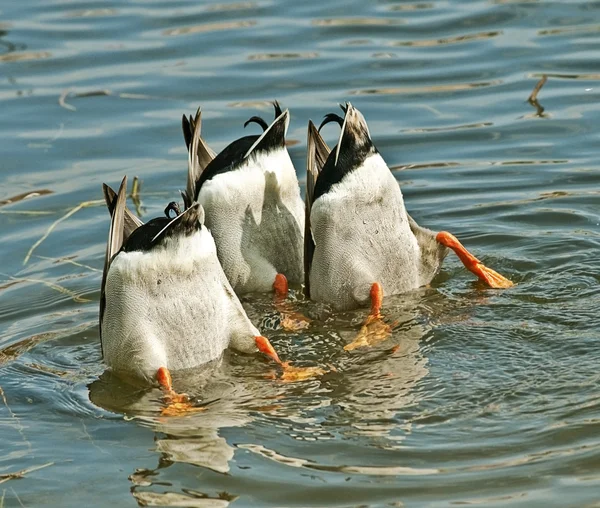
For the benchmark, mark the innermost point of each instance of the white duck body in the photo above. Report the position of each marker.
(256, 215)
(359, 239)
(361, 231)
(170, 305)
(253, 206)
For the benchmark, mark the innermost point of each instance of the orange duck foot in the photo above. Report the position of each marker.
(291, 321)
(487, 275)
(294, 322)
(180, 409)
(292, 374)
(374, 329)
(372, 332)
(178, 404)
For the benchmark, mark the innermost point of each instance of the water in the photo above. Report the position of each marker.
(490, 397)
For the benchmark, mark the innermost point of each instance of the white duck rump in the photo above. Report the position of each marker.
(166, 304)
(252, 201)
(360, 242)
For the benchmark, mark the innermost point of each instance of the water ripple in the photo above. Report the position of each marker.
(431, 89)
(478, 396)
(209, 27)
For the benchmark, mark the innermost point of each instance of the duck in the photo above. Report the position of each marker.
(252, 202)
(360, 242)
(165, 302)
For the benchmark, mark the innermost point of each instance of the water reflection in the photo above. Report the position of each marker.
(569, 30)
(209, 27)
(282, 56)
(91, 13)
(410, 7)
(192, 439)
(379, 382)
(234, 6)
(362, 396)
(24, 55)
(449, 40)
(478, 125)
(345, 469)
(477, 397)
(350, 22)
(10, 46)
(191, 499)
(451, 87)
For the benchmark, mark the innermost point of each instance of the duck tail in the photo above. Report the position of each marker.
(200, 155)
(131, 221)
(274, 135)
(317, 154)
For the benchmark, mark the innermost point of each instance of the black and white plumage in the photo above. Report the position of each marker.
(357, 229)
(252, 201)
(165, 300)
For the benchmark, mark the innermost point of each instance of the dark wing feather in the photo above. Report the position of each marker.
(318, 151)
(115, 242)
(188, 129)
(131, 222)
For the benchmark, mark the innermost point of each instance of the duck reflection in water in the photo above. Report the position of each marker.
(232, 392)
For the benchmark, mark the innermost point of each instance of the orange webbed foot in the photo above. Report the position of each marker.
(291, 320)
(180, 409)
(290, 373)
(178, 404)
(487, 275)
(374, 329)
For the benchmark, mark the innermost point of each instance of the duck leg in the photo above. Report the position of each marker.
(376, 295)
(290, 373)
(291, 320)
(265, 347)
(487, 275)
(374, 329)
(177, 403)
(280, 286)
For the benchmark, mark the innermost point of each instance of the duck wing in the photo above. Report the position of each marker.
(115, 242)
(317, 153)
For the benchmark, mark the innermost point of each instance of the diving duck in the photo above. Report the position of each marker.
(165, 303)
(252, 202)
(360, 241)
